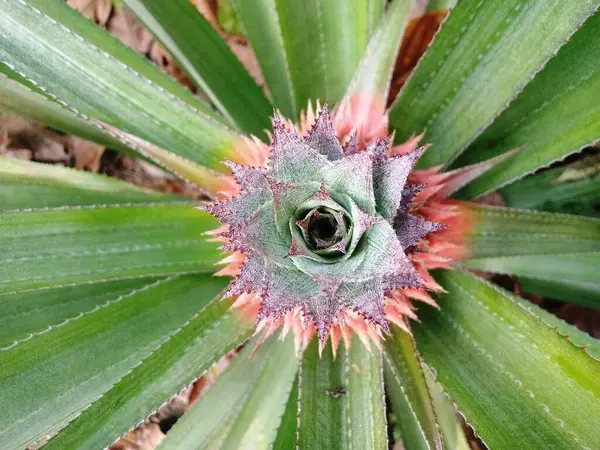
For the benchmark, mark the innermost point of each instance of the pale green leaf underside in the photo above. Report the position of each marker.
(519, 383)
(37, 45)
(208, 60)
(341, 402)
(243, 408)
(186, 355)
(409, 394)
(25, 184)
(324, 41)
(556, 114)
(456, 91)
(48, 380)
(54, 247)
(554, 191)
(505, 232)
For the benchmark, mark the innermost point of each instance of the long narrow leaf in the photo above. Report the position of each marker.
(205, 56)
(505, 232)
(456, 91)
(372, 78)
(243, 408)
(519, 383)
(186, 355)
(409, 393)
(556, 114)
(341, 401)
(48, 380)
(572, 189)
(558, 253)
(53, 247)
(37, 44)
(25, 314)
(25, 184)
(324, 42)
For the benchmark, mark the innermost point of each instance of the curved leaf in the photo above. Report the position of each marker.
(243, 408)
(25, 184)
(52, 247)
(37, 43)
(456, 92)
(519, 383)
(48, 380)
(203, 54)
(409, 393)
(556, 115)
(186, 355)
(341, 400)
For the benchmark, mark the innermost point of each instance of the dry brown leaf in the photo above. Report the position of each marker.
(147, 436)
(165, 62)
(86, 154)
(97, 10)
(25, 139)
(129, 31)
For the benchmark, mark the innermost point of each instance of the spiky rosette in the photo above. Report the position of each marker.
(326, 228)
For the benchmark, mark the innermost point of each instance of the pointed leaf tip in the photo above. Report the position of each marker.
(322, 137)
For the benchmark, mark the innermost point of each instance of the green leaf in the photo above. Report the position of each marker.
(286, 435)
(572, 333)
(244, 407)
(450, 426)
(559, 253)
(480, 60)
(22, 100)
(519, 383)
(504, 232)
(324, 42)
(570, 277)
(52, 247)
(260, 21)
(19, 99)
(554, 116)
(48, 380)
(33, 311)
(185, 356)
(207, 59)
(341, 401)
(25, 184)
(572, 189)
(408, 391)
(373, 76)
(46, 44)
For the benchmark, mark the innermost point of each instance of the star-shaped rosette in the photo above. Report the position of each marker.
(326, 227)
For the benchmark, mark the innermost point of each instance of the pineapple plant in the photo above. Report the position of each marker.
(343, 258)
